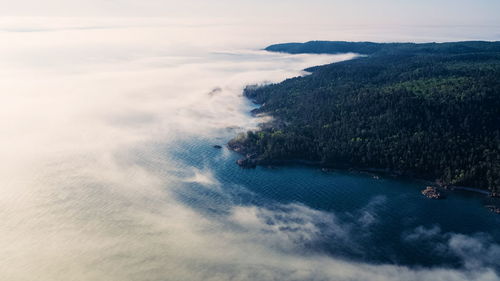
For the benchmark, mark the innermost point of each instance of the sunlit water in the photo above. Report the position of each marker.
(109, 171)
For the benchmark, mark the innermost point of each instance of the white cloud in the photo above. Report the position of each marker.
(89, 115)
(475, 251)
(421, 233)
(203, 177)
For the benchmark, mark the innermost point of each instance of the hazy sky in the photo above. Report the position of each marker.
(408, 12)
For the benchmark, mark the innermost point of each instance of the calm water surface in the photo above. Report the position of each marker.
(108, 169)
(386, 220)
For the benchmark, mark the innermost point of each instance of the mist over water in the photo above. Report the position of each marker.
(107, 170)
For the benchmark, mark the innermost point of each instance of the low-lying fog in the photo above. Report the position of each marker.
(85, 195)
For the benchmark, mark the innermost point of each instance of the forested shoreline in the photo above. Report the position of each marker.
(430, 111)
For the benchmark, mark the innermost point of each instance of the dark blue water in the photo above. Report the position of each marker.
(387, 219)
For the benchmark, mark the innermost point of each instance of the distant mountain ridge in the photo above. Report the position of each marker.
(428, 110)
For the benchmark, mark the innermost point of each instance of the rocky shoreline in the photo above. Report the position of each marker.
(251, 160)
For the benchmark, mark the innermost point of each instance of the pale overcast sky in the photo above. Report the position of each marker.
(401, 12)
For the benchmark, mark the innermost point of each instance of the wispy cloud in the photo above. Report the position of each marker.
(89, 117)
(474, 251)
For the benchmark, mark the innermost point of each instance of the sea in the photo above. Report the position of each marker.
(109, 170)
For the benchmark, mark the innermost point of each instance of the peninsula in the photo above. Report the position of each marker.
(430, 111)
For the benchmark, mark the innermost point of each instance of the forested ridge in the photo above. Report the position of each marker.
(427, 110)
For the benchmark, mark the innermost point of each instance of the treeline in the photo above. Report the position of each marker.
(427, 110)
(368, 48)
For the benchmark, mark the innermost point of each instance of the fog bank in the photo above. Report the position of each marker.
(91, 115)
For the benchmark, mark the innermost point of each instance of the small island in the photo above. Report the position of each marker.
(432, 193)
(493, 209)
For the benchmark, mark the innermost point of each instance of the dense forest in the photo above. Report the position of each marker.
(427, 110)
